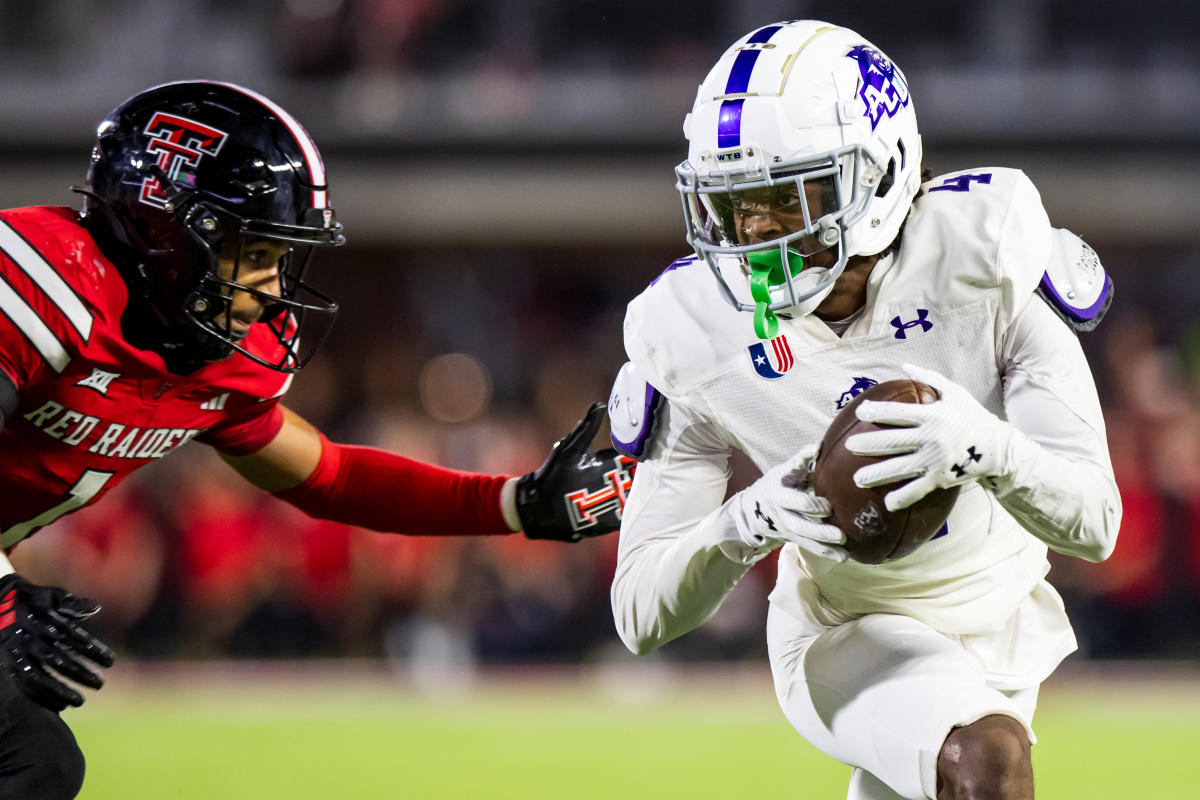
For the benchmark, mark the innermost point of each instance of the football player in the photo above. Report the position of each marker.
(175, 307)
(823, 264)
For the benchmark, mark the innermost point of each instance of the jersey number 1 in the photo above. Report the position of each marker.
(88, 486)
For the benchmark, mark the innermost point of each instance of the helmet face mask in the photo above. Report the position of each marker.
(186, 172)
(802, 140)
(292, 307)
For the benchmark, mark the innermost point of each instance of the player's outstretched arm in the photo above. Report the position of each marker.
(41, 639)
(372, 488)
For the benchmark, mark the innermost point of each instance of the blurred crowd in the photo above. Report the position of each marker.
(480, 360)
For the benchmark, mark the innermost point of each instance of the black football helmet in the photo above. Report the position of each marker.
(179, 169)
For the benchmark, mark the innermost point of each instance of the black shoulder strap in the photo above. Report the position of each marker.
(8, 397)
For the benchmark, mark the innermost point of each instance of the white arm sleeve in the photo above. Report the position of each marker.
(1061, 487)
(680, 553)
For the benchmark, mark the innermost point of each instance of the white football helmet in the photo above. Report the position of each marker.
(810, 123)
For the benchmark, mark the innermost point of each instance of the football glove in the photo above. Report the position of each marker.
(780, 507)
(949, 442)
(578, 492)
(40, 635)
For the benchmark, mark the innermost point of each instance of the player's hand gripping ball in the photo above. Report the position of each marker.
(874, 534)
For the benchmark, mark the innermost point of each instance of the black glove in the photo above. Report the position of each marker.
(39, 630)
(577, 493)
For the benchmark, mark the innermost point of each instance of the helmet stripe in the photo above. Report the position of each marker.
(729, 120)
(312, 157)
(729, 123)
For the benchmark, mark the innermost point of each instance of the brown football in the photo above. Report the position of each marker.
(874, 534)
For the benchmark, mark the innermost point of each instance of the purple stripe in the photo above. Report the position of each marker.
(729, 124)
(739, 76)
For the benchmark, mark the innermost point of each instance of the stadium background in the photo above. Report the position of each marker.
(503, 170)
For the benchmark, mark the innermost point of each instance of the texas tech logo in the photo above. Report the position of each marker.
(584, 506)
(178, 144)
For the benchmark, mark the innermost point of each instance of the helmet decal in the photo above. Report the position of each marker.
(883, 89)
(729, 121)
(177, 142)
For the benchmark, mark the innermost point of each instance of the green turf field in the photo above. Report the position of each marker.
(252, 733)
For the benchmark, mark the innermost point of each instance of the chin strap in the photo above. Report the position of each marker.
(766, 272)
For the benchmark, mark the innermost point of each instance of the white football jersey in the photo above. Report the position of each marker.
(975, 247)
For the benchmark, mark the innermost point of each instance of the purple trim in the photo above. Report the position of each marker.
(637, 448)
(1075, 312)
(729, 124)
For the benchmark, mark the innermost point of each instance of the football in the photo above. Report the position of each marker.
(874, 534)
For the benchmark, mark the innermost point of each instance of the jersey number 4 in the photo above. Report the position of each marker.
(962, 183)
(88, 486)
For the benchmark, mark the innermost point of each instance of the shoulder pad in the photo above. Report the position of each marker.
(1075, 284)
(633, 410)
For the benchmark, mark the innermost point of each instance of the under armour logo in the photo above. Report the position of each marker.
(922, 320)
(960, 470)
(99, 380)
(758, 512)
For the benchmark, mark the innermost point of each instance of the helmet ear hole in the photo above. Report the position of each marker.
(888, 179)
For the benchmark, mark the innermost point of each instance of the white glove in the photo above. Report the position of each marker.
(949, 442)
(780, 507)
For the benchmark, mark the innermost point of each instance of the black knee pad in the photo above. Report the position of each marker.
(39, 756)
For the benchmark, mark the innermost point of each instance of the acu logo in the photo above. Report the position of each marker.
(178, 143)
(883, 89)
(859, 386)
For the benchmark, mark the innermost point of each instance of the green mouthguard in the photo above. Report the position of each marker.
(766, 272)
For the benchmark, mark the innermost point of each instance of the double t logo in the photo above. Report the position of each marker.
(176, 142)
(584, 506)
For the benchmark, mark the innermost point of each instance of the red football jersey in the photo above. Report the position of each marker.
(93, 408)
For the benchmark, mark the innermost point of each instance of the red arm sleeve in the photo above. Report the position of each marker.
(246, 432)
(382, 491)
